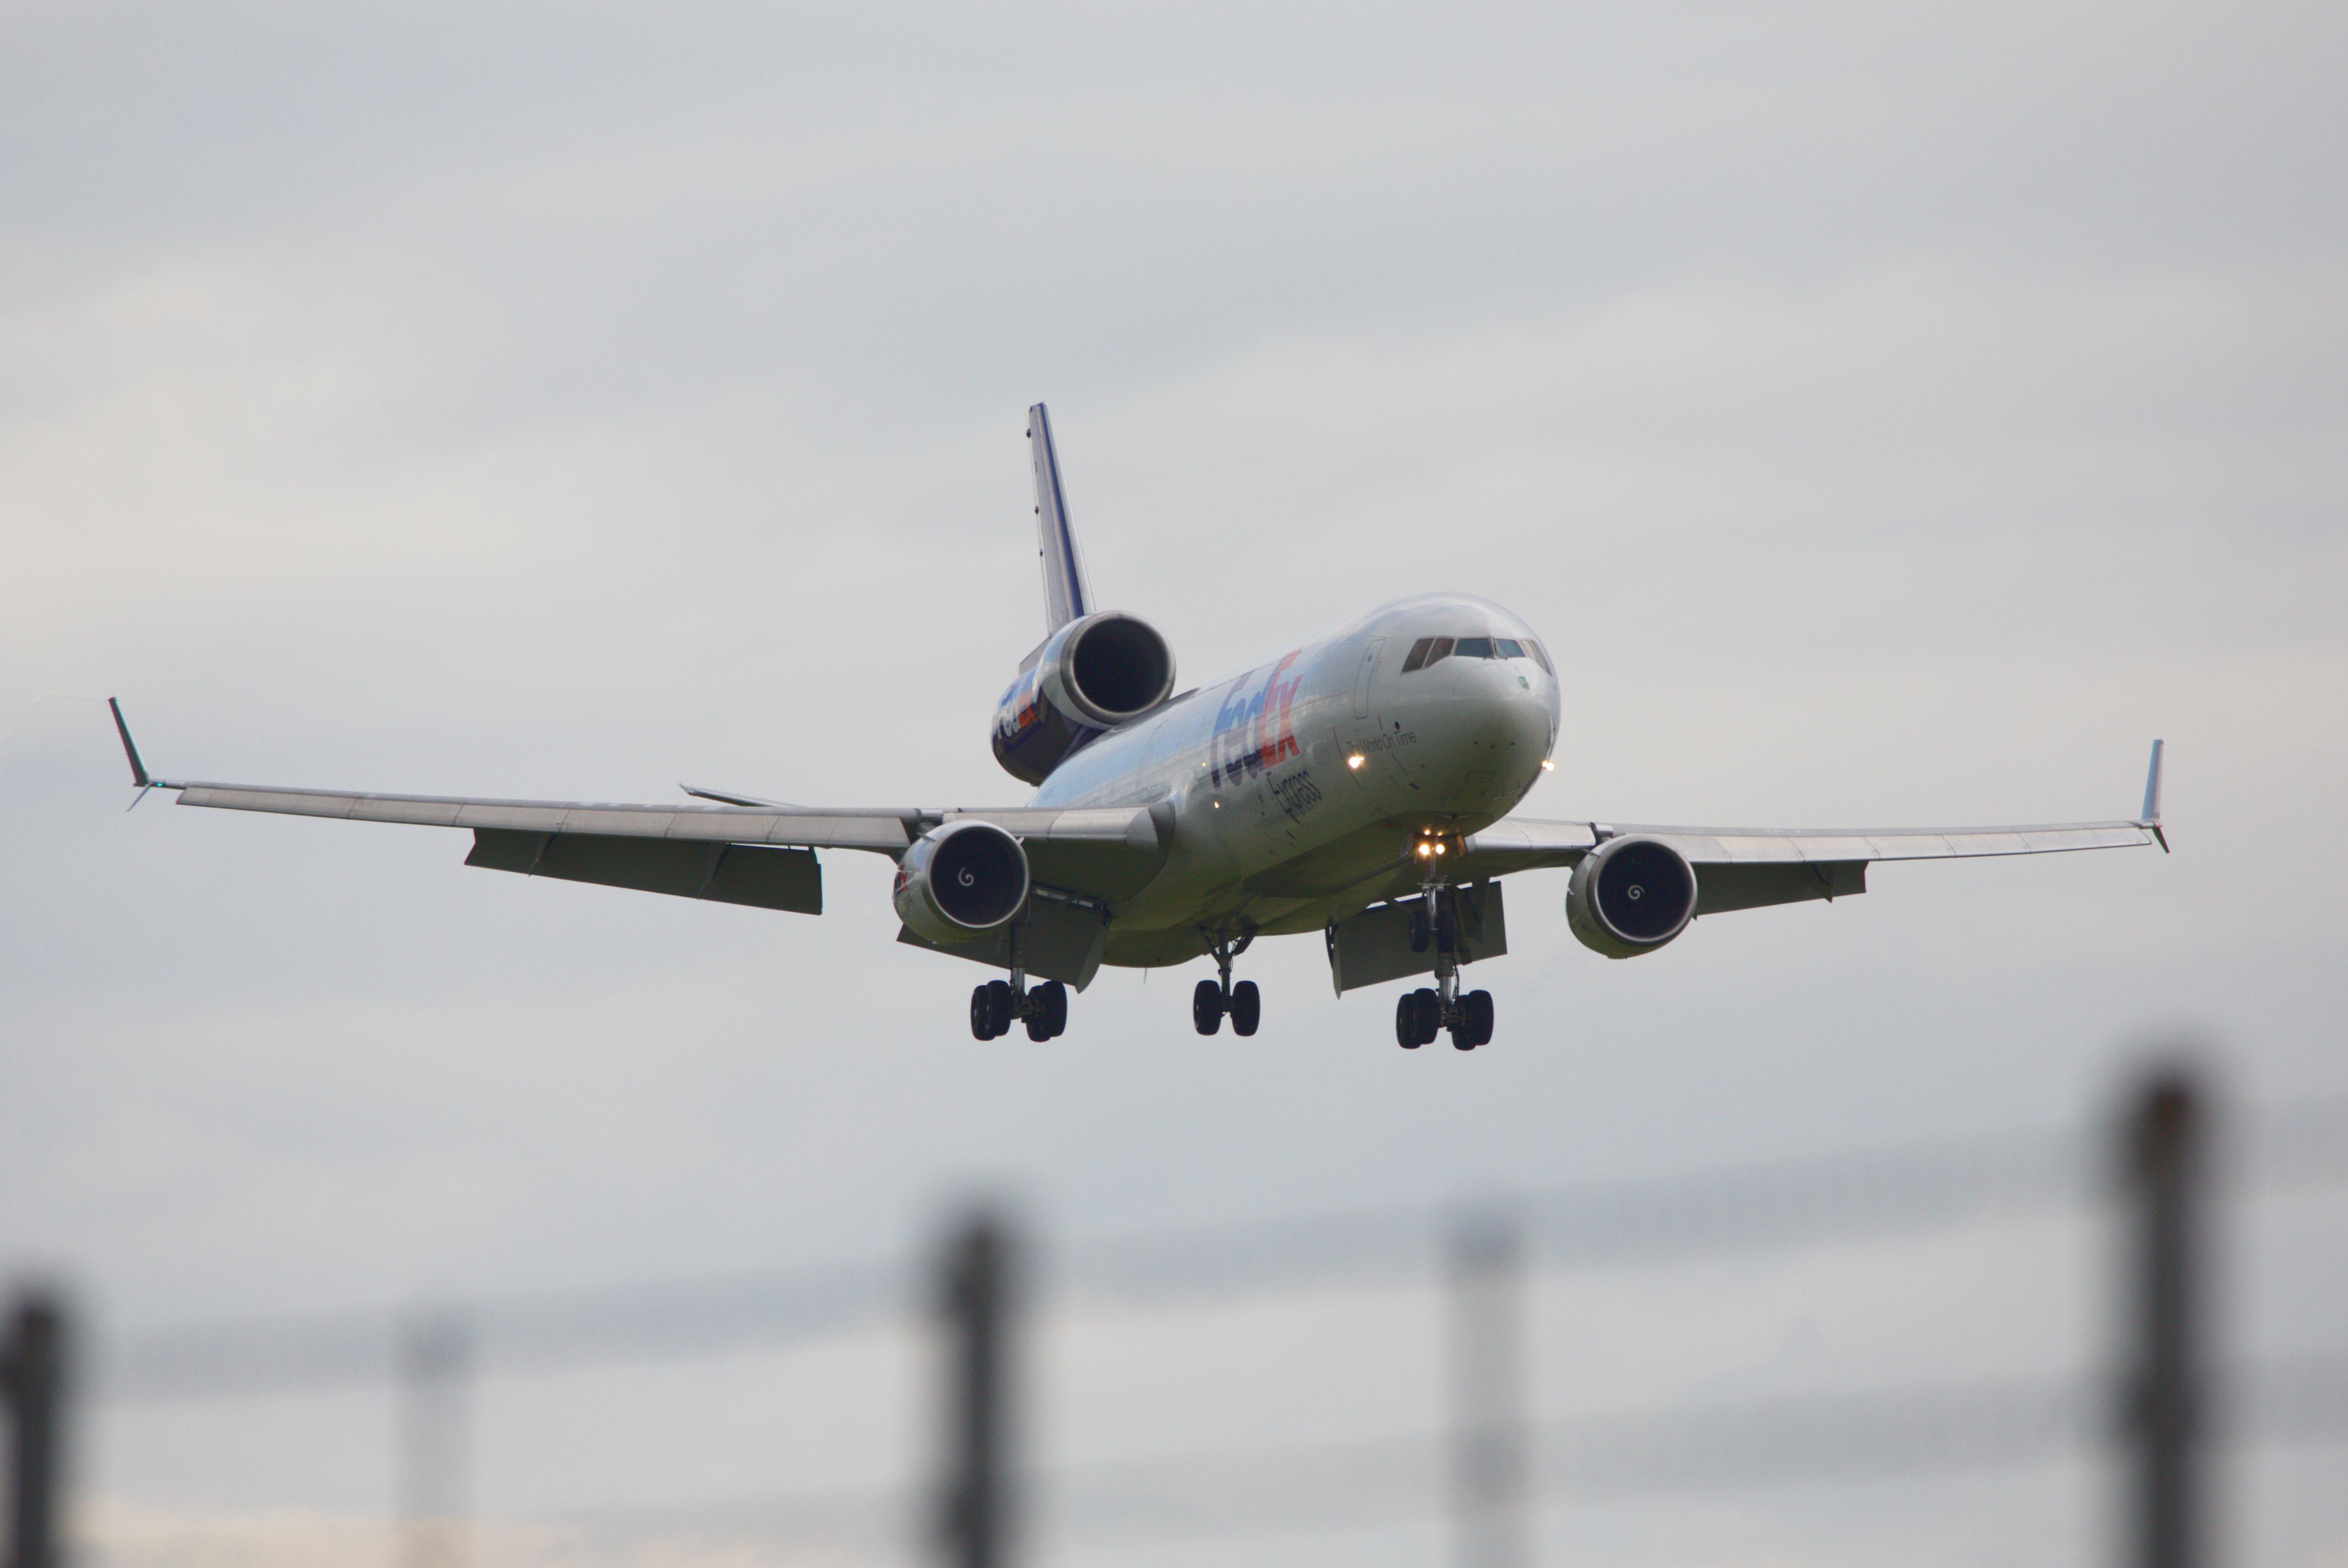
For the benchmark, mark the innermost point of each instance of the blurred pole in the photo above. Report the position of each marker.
(32, 1372)
(976, 1505)
(435, 1455)
(1488, 1390)
(2168, 1173)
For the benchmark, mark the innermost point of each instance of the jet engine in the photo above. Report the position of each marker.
(1091, 674)
(959, 879)
(1630, 896)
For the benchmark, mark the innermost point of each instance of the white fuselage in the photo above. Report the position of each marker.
(1301, 786)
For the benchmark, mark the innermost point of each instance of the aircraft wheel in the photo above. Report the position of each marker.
(1418, 926)
(1207, 1006)
(1446, 926)
(1406, 1021)
(1049, 1002)
(982, 1014)
(998, 1008)
(1246, 1007)
(1474, 1027)
(1426, 1013)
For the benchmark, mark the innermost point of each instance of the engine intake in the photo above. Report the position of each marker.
(1630, 896)
(959, 879)
(1091, 676)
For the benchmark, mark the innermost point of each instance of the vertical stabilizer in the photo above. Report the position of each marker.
(1067, 595)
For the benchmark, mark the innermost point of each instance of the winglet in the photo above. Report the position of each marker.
(1067, 596)
(130, 750)
(2151, 818)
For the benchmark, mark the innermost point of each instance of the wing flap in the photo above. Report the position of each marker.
(755, 874)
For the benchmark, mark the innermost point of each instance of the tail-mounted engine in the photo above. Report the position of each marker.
(1630, 896)
(960, 880)
(1091, 676)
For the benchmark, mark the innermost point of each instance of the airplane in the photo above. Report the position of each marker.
(1357, 783)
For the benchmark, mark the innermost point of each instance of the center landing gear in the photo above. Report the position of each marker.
(1213, 1000)
(995, 1004)
(1421, 1015)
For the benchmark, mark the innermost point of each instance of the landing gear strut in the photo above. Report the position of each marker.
(1421, 1015)
(1214, 1000)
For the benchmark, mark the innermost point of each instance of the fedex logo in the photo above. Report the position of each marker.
(1252, 728)
(1018, 710)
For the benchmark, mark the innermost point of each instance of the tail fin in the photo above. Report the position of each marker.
(1067, 595)
(2151, 818)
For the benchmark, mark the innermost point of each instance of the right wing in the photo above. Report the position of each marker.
(760, 855)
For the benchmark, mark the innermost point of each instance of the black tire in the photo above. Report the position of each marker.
(998, 1002)
(982, 1014)
(1039, 1028)
(1207, 1006)
(1426, 1012)
(1406, 1021)
(1446, 926)
(1479, 1016)
(1050, 1001)
(1246, 1007)
(1418, 926)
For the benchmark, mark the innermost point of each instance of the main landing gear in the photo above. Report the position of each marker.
(994, 1006)
(1214, 1000)
(1421, 1015)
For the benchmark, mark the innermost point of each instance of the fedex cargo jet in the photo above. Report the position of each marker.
(1357, 784)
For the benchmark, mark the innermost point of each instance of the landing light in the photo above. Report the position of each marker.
(1438, 848)
(1426, 850)
(1355, 760)
(1546, 766)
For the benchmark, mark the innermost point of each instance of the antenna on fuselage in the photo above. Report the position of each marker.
(1067, 595)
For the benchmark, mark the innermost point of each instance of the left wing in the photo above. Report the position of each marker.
(759, 855)
(1745, 868)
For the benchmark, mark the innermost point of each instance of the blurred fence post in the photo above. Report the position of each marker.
(1488, 1389)
(33, 1376)
(2165, 1417)
(435, 1453)
(975, 1521)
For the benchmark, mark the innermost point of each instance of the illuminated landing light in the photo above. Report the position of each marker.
(1355, 760)
(1438, 848)
(1546, 766)
(1425, 851)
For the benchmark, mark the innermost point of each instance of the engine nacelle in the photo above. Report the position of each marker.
(959, 879)
(1091, 676)
(1630, 896)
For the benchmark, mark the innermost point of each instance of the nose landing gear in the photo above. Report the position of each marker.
(1212, 1001)
(1421, 1015)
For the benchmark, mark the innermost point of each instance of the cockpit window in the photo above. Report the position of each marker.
(1418, 655)
(1441, 650)
(1541, 656)
(1473, 647)
(1509, 647)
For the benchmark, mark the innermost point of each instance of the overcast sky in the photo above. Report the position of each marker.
(1887, 417)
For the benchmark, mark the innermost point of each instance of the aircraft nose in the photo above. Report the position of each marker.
(1509, 733)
